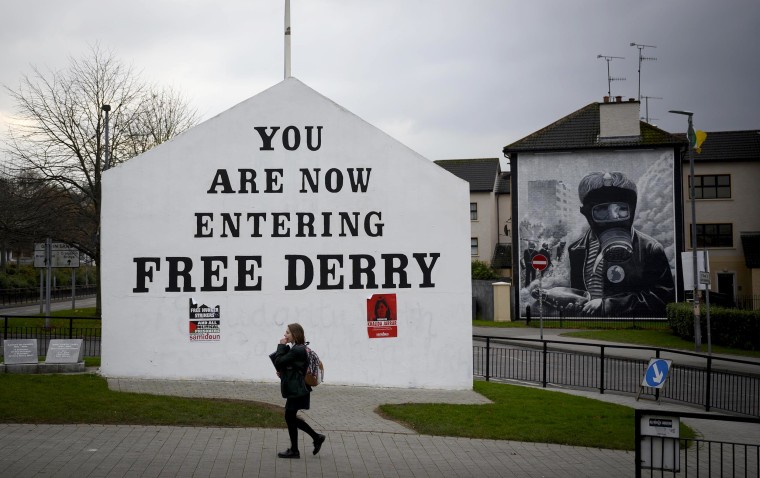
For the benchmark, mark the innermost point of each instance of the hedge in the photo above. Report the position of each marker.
(730, 327)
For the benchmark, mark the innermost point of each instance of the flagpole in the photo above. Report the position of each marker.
(287, 39)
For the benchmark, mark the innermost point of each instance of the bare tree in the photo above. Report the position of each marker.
(33, 209)
(57, 136)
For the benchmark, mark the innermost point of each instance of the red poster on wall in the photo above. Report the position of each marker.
(381, 316)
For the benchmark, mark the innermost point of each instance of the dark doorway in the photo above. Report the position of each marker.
(726, 285)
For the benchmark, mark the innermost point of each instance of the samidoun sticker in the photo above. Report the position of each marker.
(204, 322)
(381, 316)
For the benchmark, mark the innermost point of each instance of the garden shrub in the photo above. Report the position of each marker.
(482, 271)
(729, 327)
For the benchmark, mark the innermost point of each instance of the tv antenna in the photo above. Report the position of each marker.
(642, 58)
(646, 103)
(610, 79)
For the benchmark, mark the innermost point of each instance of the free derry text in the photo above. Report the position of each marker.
(220, 273)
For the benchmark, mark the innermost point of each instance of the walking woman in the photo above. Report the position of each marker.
(291, 363)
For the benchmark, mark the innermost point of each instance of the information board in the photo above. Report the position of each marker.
(62, 255)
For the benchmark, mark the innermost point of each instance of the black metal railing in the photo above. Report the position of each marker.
(730, 301)
(90, 335)
(660, 455)
(722, 383)
(11, 297)
(557, 319)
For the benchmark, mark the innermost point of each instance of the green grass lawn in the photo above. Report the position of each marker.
(85, 398)
(518, 413)
(526, 414)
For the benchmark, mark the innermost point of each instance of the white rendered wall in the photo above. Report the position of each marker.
(158, 206)
(619, 119)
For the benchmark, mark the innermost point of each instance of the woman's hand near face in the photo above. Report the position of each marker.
(287, 337)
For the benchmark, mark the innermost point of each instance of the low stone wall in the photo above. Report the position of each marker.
(33, 368)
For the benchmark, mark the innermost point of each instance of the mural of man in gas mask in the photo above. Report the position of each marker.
(624, 271)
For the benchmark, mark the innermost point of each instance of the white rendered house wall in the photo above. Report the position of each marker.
(286, 208)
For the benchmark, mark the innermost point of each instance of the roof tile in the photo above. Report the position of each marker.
(480, 173)
(580, 130)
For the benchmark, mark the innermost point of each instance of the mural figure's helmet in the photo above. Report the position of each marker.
(609, 204)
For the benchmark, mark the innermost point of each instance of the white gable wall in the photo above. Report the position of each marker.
(149, 211)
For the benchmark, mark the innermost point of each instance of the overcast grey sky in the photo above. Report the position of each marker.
(449, 78)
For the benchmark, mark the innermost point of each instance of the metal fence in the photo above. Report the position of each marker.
(560, 321)
(10, 297)
(731, 385)
(532, 314)
(90, 335)
(727, 384)
(747, 302)
(658, 454)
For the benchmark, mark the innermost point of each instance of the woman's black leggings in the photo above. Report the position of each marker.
(294, 424)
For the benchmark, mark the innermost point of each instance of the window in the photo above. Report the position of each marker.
(713, 186)
(715, 235)
(473, 211)
(473, 246)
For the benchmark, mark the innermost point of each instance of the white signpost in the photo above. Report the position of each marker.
(48, 255)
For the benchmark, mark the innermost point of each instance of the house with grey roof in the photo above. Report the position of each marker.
(597, 196)
(490, 210)
(545, 166)
(727, 174)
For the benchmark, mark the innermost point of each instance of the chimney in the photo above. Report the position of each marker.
(619, 119)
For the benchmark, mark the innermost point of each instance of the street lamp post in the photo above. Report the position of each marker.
(695, 284)
(107, 164)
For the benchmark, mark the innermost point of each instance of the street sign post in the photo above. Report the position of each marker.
(61, 255)
(48, 255)
(539, 263)
(704, 278)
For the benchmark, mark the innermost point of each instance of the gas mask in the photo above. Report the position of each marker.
(612, 222)
(609, 204)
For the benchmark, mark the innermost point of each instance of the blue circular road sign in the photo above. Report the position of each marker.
(656, 373)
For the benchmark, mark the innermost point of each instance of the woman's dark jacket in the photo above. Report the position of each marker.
(291, 362)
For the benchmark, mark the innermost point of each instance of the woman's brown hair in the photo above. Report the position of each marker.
(299, 338)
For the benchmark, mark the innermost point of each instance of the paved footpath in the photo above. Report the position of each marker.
(359, 442)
